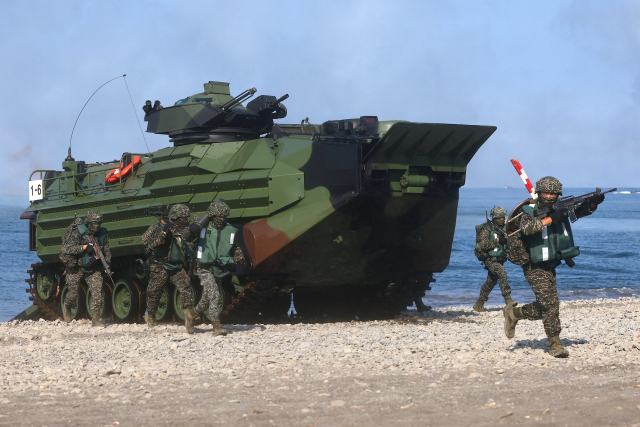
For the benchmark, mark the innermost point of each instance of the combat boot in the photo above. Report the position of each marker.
(98, 323)
(66, 314)
(511, 316)
(190, 316)
(509, 301)
(218, 330)
(150, 318)
(422, 308)
(479, 306)
(556, 349)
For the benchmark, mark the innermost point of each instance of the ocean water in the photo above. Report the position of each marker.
(609, 242)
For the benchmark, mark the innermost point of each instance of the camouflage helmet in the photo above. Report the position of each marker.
(178, 211)
(498, 212)
(219, 208)
(549, 184)
(93, 216)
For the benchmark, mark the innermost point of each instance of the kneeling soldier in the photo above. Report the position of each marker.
(78, 255)
(217, 255)
(169, 245)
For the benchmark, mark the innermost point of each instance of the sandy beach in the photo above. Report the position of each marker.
(447, 367)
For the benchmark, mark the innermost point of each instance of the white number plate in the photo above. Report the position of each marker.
(36, 190)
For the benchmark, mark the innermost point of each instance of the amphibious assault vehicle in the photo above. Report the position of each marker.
(353, 217)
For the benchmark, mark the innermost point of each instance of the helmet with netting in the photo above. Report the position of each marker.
(178, 211)
(498, 212)
(93, 216)
(219, 208)
(549, 184)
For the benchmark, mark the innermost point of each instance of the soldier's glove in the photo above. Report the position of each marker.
(502, 240)
(597, 199)
(165, 226)
(556, 216)
(89, 250)
(195, 229)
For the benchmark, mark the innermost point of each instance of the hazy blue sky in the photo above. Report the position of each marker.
(560, 79)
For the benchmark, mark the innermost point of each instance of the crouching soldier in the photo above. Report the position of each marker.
(79, 256)
(491, 242)
(169, 245)
(217, 257)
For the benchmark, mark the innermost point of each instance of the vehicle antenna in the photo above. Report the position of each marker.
(85, 104)
(136, 113)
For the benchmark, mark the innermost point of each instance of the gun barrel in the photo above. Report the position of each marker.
(279, 100)
(238, 99)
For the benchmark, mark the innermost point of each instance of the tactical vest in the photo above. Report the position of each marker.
(173, 254)
(214, 248)
(499, 250)
(554, 243)
(88, 266)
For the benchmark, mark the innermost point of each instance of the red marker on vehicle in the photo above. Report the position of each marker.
(523, 176)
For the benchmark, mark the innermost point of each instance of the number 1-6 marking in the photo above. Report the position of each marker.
(36, 191)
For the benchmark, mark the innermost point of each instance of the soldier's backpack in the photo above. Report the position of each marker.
(479, 253)
(518, 244)
(69, 261)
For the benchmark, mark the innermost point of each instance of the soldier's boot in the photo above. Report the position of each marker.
(511, 316)
(66, 314)
(150, 318)
(556, 349)
(97, 323)
(190, 316)
(479, 306)
(509, 301)
(217, 329)
(421, 305)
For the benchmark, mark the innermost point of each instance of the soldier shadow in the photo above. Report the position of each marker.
(204, 328)
(544, 343)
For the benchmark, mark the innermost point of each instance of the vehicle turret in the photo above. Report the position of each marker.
(214, 116)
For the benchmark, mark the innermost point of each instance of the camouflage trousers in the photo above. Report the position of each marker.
(159, 277)
(94, 283)
(497, 274)
(210, 295)
(542, 280)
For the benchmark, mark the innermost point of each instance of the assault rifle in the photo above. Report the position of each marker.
(99, 255)
(568, 205)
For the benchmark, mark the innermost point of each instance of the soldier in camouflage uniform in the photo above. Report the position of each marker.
(169, 245)
(491, 250)
(540, 270)
(78, 255)
(217, 257)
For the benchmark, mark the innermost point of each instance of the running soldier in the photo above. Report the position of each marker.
(169, 244)
(491, 242)
(217, 257)
(547, 241)
(78, 255)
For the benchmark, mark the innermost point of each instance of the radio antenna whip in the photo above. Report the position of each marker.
(136, 113)
(85, 104)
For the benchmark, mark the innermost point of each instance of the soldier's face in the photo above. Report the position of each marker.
(548, 199)
(499, 221)
(181, 221)
(93, 227)
(218, 221)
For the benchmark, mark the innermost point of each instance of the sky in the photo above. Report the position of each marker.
(559, 79)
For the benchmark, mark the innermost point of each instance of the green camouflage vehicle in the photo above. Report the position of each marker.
(352, 216)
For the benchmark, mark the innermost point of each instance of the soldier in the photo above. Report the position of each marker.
(217, 256)
(78, 255)
(491, 242)
(170, 248)
(548, 241)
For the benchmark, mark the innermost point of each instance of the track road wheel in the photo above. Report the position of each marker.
(125, 300)
(177, 300)
(46, 286)
(165, 306)
(105, 307)
(78, 308)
